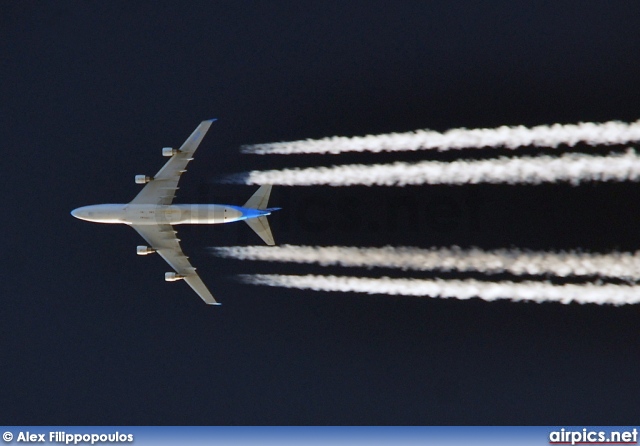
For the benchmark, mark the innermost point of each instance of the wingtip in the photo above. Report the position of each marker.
(211, 120)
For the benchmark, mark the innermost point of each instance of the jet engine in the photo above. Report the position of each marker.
(144, 250)
(168, 151)
(172, 277)
(143, 179)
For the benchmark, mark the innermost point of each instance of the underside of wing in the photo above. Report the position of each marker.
(196, 283)
(162, 188)
(162, 238)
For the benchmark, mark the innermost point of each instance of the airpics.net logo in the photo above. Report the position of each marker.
(587, 436)
(66, 438)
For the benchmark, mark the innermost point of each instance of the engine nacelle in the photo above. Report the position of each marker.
(168, 151)
(172, 277)
(143, 179)
(144, 250)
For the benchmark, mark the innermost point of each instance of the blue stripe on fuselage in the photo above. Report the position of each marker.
(250, 213)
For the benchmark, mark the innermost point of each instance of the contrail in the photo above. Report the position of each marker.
(621, 265)
(612, 132)
(574, 168)
(459, 289)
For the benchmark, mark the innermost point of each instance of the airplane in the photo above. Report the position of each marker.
(152, 213)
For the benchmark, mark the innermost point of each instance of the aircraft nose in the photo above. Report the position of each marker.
(79, 213)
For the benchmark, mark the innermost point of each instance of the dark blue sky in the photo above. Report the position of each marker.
(91, 333)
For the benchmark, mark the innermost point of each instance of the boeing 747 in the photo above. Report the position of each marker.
(153, 215)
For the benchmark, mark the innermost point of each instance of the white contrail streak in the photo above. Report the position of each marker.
(612, 132)
(459, 289)
(621, 265)
(572, 167)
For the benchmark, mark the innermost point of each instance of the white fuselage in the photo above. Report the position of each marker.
(175, 214)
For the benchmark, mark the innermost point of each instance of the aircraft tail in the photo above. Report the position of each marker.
(260, 225)
(260, 199)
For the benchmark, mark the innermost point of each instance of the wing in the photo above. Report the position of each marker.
(163, 239)
(162, 188)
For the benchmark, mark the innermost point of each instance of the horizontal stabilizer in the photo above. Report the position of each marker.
(260, 199)
(261, 227)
